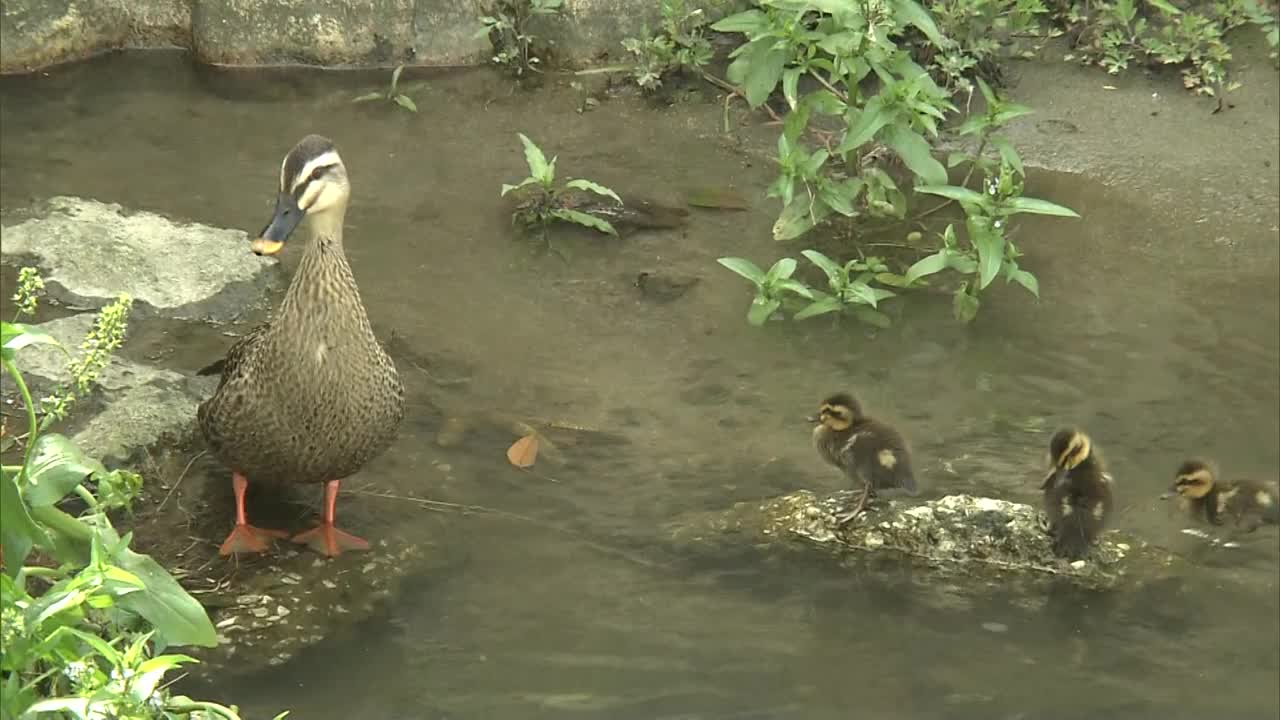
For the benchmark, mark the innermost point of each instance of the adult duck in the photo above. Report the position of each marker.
(310, 397)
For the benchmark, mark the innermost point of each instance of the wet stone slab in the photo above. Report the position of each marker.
(89, 252)
(957, 535)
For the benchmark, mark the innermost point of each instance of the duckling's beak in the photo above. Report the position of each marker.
(811, 418)
(1059, 475)
(283, 221)
(1173, 490)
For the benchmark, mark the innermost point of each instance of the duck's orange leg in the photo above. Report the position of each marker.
(245, 537)
(325, 538)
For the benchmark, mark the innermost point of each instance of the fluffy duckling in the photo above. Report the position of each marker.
(869, 452)
(1077, 494)
(1247, 502)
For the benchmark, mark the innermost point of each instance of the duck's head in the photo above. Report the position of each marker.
(838, 412)
(313, 183)
(1193, 480)
(1067, 450)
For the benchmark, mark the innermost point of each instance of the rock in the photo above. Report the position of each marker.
(141, 404)
(958, 536)
(39, 33)
(90, 252)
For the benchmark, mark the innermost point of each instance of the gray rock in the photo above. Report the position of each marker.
(89, 252)
(38, 33)
(142, 405)
(969, 539)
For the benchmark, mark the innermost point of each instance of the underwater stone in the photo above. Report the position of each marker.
(89, 252)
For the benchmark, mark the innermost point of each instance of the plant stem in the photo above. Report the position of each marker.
(982, 146)
(33, 431)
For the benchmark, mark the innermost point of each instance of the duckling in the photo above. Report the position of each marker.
(1077, 493)
(311, 396)
(868, 451)
(1248, 503)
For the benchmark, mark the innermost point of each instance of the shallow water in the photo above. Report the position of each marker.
(1154, 335)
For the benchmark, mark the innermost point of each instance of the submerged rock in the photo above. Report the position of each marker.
(956, 534)
(90, 252)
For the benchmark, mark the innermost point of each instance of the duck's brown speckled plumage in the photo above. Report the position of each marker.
(1078, 498)
(311, 396)
(1246, 503)
(871, 454)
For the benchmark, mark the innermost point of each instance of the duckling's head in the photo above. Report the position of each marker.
(838, 412)
(1194, 480)
(313, 183)
(1068, 448)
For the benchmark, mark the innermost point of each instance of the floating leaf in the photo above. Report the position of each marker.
(524, 451)
(1038, 207)
(405, 102)
(718, 198)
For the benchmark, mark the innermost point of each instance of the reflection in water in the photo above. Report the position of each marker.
(581, 609)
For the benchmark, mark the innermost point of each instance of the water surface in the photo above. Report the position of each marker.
(1159, 339)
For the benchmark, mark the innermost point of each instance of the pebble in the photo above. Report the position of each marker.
(329, 584)
(261, 612)
(226, 621)
(282, 610)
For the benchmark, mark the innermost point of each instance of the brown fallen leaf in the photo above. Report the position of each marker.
(524, 451)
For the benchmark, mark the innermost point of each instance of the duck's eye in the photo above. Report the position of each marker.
(317, 173)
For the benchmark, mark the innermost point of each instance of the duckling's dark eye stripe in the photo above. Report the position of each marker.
(301, 188)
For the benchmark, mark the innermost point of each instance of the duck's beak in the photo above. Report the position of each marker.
(1173, 490)
(1055, 478)
(811, 418)
(283, 221)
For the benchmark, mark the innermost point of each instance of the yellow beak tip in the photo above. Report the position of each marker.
(263, 246)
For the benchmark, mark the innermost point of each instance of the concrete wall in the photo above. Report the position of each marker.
(39, 33)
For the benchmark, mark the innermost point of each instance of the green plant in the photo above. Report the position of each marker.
(1114, 34)
(392, 95)
(977, 34)
(850, 292)
(680, 45)
(772, 287)
(80, 637)
(1267, 22)
(542, 201)
(507, 27)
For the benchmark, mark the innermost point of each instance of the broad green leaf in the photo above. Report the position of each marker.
(964, 305)
(797, 219)
(987, 94)
(745, 268)
(78, 707)
(55, 467)
(915, 153)
(151, 672)
(814, 163)
(835, 273)
(18, 531)
(176, 616)
(840, 195)
(990, 246)
(763, 75)
(973, 124)
(794, 286)
(1028, 281)
(405, 102)
(527, 181)
(593, 187)
(790, 79)
(954, 192)
(534, 158)
(781, 270)
(750, 22)
(100, 646)
(864, 293)
(1165, 7)
(872, 317)
(59, 598)
(1008, 154)
(1008, 112)
(928, 265)
(863, 124)
(1038, 207)
(15, 336)
(367, 97)
(585, 220)
(762, 308)
(910, 12)
(821, 307)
